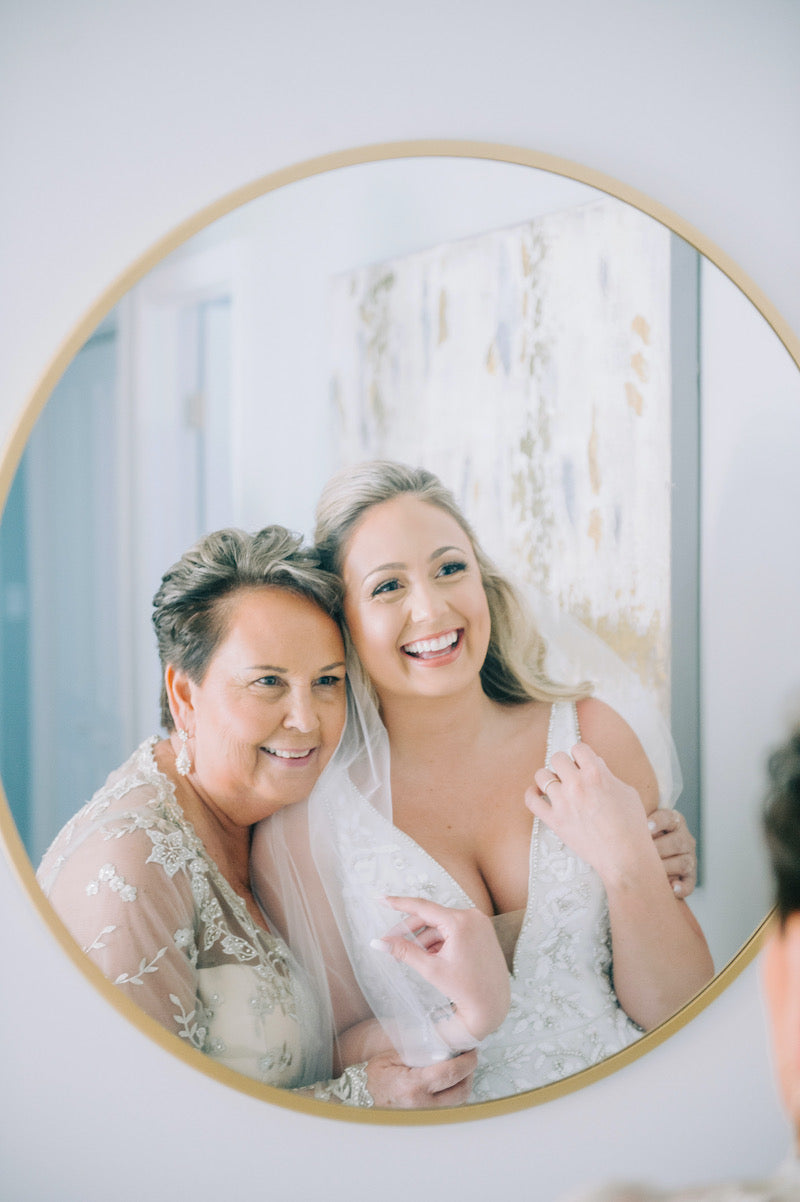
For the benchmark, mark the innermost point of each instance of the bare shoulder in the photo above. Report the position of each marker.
(600, 723)
(607, 733)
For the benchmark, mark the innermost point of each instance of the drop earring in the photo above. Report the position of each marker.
(183, 761)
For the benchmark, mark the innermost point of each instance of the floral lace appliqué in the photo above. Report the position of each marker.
(213, 976)
(189, 1027)
(169, 850)
(108, 875)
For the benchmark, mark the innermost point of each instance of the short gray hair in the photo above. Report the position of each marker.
(191, 610)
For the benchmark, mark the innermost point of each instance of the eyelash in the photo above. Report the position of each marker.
(383, 587)
(455, 566)
(328, 682)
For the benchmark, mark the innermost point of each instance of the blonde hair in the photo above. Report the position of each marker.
(513, 672)
(191, 608)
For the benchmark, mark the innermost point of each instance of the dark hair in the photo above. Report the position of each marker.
(190, 613)
(782, 825)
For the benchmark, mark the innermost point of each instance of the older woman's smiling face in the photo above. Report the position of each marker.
(268, 714)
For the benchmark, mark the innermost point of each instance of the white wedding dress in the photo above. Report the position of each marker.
(564, 1015)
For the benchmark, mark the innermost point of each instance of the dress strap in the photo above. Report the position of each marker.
(563, 731)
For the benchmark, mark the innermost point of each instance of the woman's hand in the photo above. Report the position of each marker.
(660, 957)
(446, 1083)
(598, 816)
(457, 951)
(595, 796)
(676, 845)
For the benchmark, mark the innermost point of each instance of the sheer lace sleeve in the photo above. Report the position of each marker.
(143, 898)
(351, 1089)
(126, 896)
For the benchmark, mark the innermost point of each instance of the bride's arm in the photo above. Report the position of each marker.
(599, 808)
(362, 1041)
(675, 845)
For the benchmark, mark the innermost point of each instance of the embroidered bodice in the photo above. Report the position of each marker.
(564, 1015)
(137, 889)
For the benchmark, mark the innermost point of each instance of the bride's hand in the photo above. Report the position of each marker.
(599, 817)
(457, 951)
(446, 1083)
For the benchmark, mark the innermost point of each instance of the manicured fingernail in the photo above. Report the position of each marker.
(378, 945)
(677, 889)
(651, 826)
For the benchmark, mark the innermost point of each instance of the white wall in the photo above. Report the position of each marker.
(290, 243)
(750, 653)
(120, 121)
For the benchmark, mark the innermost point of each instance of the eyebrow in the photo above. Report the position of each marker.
(386, 567)
(274, 668)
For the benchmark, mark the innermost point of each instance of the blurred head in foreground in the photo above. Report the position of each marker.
(782, 954)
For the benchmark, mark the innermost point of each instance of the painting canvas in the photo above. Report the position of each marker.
(529, 367)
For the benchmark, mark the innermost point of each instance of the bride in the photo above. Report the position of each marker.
(468, 776)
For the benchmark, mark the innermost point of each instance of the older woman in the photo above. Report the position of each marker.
(431, 798)
(152, 875)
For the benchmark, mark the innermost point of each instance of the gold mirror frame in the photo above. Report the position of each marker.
(8, 464)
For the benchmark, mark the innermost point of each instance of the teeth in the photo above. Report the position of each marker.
(444, 640)
(287, 755)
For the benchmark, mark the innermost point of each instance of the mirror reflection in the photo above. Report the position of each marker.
(537, 344)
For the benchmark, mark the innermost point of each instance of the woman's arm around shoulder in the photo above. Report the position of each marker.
(385, 1081)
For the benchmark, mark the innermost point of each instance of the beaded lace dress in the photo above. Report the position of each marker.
(138, 891)
(564, 1014)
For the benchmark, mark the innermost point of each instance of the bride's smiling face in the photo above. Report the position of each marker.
(414, 600)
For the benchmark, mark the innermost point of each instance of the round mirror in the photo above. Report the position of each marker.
(581, 375)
